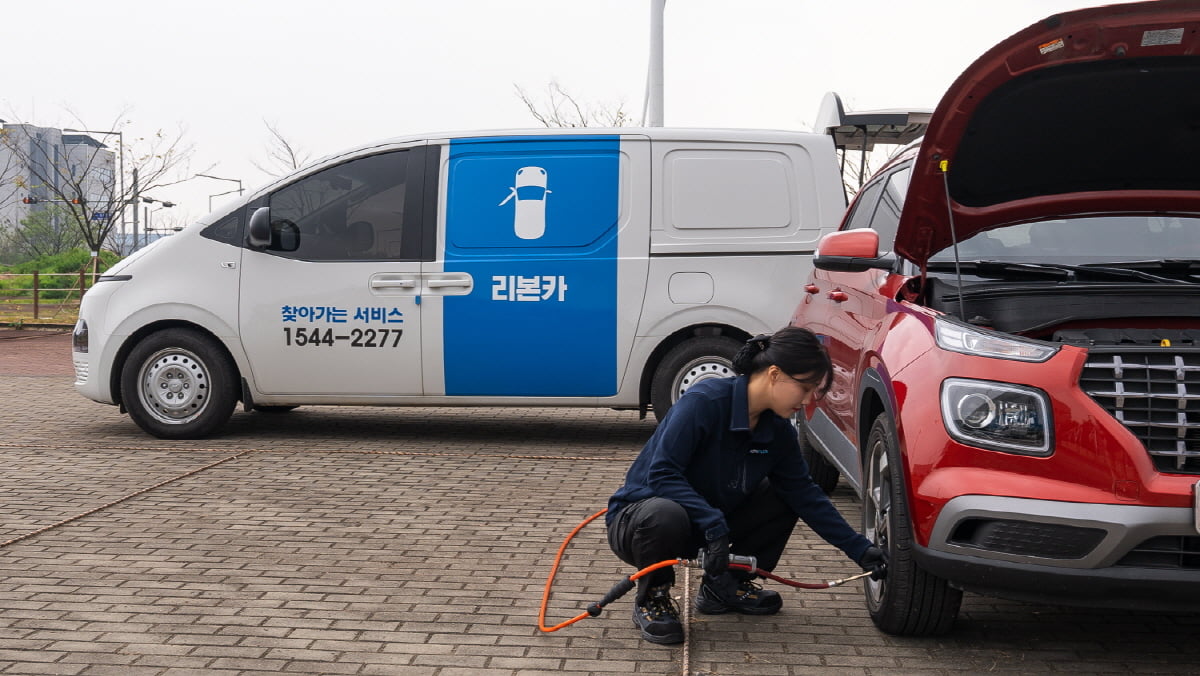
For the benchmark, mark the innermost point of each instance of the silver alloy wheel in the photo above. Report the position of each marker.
(173, 386)
(697, 370)
(876, 509)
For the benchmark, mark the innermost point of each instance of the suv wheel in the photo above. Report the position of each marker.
(821, 470)
(910, 602)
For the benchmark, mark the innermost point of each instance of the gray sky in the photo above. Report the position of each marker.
(336, 74)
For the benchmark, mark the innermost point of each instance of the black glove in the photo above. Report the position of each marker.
(874, 560)
(716, 556)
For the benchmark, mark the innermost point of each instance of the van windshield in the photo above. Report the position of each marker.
(1079, 241)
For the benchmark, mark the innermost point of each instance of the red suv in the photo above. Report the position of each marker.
(1013, 312)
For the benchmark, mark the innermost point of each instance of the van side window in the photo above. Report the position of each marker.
(228, 230)
(353, 211)
(887, 214)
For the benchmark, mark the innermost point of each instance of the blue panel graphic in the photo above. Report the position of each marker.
(533, 220)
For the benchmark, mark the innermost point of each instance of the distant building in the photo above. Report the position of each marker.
(43, 164)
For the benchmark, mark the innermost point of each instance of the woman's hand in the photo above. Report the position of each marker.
(874, 561)
(716, 556)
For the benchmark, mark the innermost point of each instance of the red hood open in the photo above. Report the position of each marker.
(1094, 111)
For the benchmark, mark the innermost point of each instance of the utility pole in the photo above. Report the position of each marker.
(135, 203)
(654, 79)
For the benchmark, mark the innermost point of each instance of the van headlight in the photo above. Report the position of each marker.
(998, 416)
(79, 337)
(969, 340)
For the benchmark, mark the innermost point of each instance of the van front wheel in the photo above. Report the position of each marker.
(179, 384)
(688, 363)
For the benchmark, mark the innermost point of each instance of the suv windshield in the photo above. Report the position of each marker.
(1085, 240)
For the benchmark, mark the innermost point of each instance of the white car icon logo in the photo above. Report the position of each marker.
(529, 217)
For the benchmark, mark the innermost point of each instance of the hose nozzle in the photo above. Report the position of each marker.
(748, 562)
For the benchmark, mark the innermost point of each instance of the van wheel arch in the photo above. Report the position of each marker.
(673, 341)
(139, 335)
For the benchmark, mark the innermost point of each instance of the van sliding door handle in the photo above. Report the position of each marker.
(443, 283)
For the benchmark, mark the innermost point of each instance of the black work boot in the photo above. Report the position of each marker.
(658, 617)
(744, 596)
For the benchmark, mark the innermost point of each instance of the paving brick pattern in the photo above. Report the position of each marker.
(413, 541)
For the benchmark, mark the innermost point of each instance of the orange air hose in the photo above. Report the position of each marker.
(624, 586)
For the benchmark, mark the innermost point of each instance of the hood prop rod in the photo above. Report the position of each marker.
(944, 166)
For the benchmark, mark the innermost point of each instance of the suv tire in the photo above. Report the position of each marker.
(911, 601)
(821, 470)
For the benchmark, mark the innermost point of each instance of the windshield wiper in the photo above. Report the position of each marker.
(1188, 267)
(1118, 272)
(1056, 270)
(1000, 269)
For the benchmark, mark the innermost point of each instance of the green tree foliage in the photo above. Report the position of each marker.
(46, 232)
(65, 263)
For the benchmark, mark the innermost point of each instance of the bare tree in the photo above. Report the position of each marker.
(562, 109)
(857, 169)
(283, 156)
(81, 183)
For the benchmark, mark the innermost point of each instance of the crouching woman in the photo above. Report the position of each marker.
(723, 474)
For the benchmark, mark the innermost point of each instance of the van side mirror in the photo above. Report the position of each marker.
(258, 233)
(852, 251)
(262, 233)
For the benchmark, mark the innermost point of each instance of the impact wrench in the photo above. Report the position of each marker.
(746, 563)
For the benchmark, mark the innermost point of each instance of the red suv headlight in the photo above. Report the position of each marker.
(998, 416)
(970, 340)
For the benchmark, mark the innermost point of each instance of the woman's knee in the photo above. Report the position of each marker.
(663, 514)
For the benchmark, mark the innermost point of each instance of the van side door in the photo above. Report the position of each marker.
(541, 226)
(331, 307)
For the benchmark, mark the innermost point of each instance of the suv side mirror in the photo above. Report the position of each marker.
(852, 251)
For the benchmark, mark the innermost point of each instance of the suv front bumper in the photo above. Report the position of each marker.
(1126, 556)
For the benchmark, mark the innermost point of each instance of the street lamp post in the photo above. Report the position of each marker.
(147, 211)
(221, 178)
(120, 165)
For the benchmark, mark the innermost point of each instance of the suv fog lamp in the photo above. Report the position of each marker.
(997, 416)
(79, 338)
(969, 340)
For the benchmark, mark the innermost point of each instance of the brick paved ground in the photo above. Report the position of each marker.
(412, 541)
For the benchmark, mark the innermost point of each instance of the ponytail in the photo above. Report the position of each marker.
(793, 349)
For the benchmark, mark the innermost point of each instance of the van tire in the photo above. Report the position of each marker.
(179, 384)
(910, 601)
(688, 363)
(823, 472)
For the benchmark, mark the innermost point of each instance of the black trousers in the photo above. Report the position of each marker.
(657, 529)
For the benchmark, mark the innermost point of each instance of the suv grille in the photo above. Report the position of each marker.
(1165, 551)
(1027, 538)
(1155, 392)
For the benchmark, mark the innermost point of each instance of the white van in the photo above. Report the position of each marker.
(528, 268)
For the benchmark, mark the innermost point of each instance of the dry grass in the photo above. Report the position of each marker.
(16, 311)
